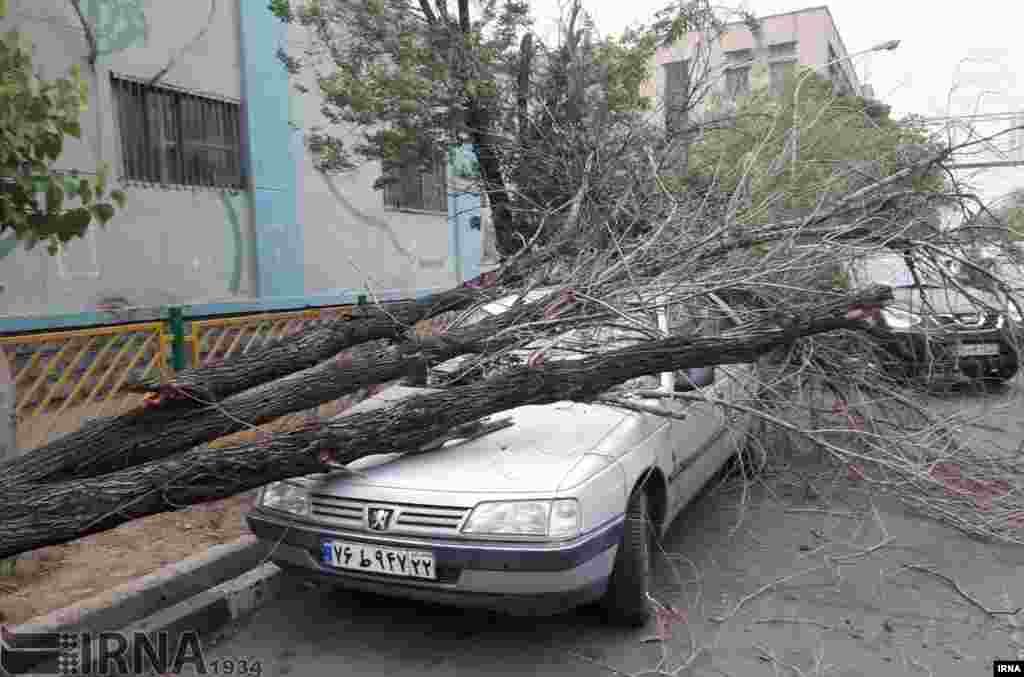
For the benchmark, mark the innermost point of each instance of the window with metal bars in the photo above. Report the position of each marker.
(410, 187)
(737, 82)
(677, 95)
(175, 137)
(781, 73)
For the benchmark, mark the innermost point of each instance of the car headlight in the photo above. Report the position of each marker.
(286, 496)
(552, 519)
(897, 318)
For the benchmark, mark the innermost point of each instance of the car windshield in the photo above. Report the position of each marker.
(581, 342)
(893, 271)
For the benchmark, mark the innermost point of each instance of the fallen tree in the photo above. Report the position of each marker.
(43, 514)
(151, 433)
(606, 215)
(197, 386)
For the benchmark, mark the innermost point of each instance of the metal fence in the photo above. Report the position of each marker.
(65, 378)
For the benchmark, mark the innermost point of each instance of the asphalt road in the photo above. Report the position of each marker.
(758, 552)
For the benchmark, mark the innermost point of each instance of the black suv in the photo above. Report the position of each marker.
(938, 331)
(941, 325)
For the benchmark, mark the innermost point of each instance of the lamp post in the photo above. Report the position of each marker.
(886, 46)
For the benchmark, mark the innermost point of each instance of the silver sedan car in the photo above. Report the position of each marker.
(555, 506)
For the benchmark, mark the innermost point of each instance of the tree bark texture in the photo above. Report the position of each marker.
(142, 435)
(307, 348)
(37, 515)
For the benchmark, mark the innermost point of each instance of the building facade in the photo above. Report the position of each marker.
(201, 124)
(807, 38)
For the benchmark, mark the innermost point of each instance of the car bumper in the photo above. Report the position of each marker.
(515, 578)
(939, 353)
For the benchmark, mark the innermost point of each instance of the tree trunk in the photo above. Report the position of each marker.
(144, 435)
(307, 348)
(38, 515)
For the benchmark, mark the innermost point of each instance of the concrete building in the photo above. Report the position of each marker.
(200, 122)
(807, 37)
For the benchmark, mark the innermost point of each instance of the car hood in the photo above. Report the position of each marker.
(944, 300)
(534, 454)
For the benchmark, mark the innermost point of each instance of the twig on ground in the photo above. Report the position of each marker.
(831, 561)
(949, 580)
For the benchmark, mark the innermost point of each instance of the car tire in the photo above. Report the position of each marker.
(1007, 373)
(626, 602)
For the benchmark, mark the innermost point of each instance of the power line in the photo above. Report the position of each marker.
(980, 117)
(988, 165)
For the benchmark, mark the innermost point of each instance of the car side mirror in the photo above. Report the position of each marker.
(691, 379)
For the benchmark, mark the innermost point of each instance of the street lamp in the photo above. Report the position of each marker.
(886, 46)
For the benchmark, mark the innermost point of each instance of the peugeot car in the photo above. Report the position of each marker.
(543, 508)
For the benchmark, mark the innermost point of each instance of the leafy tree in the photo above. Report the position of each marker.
(841, 142)
(36, 115)
(1008, 213)
(418, 79)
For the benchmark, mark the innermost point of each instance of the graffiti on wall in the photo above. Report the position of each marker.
(8, 245)
(233, 203)
(117, 24)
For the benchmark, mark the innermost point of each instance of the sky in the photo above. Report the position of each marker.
(976, 47)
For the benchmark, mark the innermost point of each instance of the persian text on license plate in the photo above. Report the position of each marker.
(377, 560)
(978, 349)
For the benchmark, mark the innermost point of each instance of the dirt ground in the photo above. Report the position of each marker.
(54, 577)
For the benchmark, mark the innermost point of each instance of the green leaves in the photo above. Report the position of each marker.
(841, 279)
(74, 223)
(72, 128)
(38, 204)
(54, 198)
(760, 249)
(101, 178)
(119, 198)
(282, 10)
(103, 213)
(85, 192)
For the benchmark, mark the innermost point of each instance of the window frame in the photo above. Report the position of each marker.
(153, 123)
(676, 120)
(408, 170)
(733, 93)
(777, 89)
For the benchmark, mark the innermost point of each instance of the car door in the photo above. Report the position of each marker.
(698, 427)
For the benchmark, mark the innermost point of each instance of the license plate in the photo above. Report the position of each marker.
(978, 349)
(377, 560)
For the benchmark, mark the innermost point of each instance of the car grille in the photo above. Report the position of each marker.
(969, 321)
(418, 520)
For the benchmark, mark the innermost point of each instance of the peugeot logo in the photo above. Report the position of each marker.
(379, 519)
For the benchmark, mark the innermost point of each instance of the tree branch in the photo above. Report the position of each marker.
(37, 515)
(199, 36)
(90, 35)
(428, 12)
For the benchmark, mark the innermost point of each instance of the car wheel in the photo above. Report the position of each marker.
(1004, 374)
(1008, 372)
(626, 602)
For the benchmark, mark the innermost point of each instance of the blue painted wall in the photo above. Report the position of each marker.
(465, 236)
(272, 144)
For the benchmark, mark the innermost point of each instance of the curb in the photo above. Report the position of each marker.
(145, 596)
(199, 617)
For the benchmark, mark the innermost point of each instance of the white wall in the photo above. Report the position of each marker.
(170, 244)
(351, 239)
